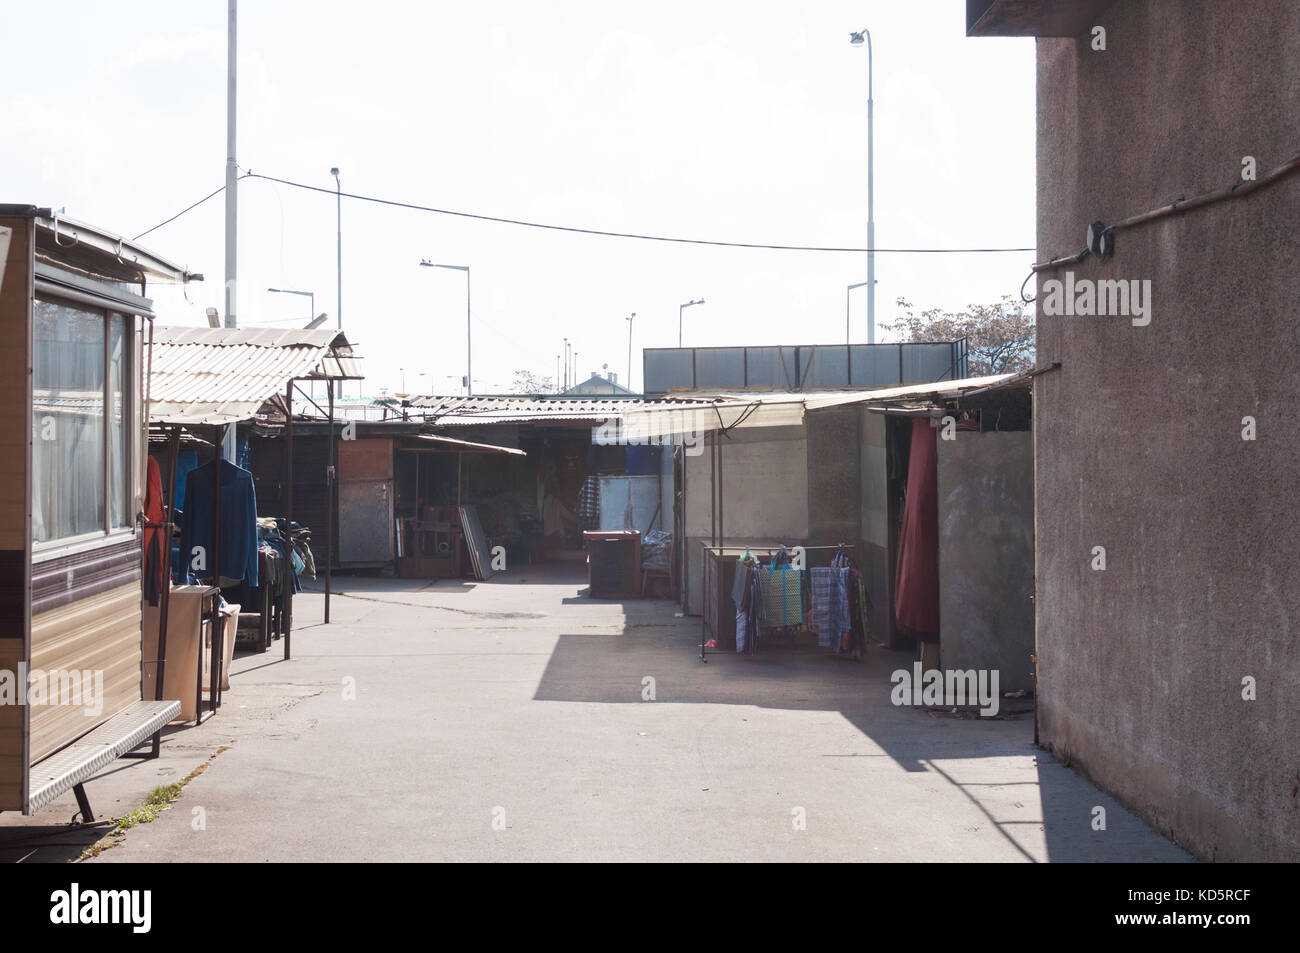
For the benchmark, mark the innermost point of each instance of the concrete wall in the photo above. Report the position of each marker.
(986, 554)
(833, 475)
(873, 519)
(765, 481)
(1139, 445)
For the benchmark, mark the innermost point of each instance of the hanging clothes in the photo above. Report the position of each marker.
(829, 605)
(238, 551)
(916, 603)
(748, 597)
(155, 545)
(589, 502)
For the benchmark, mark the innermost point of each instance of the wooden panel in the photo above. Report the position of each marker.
(366, 459)
(11, 735)
(15, 383)
(100, 634)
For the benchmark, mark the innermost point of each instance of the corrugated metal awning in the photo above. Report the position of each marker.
(468, 446)
(573, 411)
(224, 375)
(726, 411)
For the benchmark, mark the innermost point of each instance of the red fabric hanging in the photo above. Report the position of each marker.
(153, 513)
(916, 588)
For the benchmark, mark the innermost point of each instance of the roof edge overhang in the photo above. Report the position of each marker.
(1036, 18)
(69, 229)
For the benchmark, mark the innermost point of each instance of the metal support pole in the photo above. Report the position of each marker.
(288, 517)
(329, 511)
(871, 199)
(469, 348)
(232, 186)
(214, 565)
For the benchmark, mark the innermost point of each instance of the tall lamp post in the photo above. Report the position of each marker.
(680, 309)
(469, 350)
(857, 39)
(848, 336)
(630, 319)
(338, 215)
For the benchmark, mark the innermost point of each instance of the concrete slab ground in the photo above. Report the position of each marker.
(505, 720)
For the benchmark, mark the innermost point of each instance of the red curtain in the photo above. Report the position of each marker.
(916, 589)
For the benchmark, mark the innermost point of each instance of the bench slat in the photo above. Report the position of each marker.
(95, 750)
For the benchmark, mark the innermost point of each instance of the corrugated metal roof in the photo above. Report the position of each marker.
(465, 411)
(224, 375)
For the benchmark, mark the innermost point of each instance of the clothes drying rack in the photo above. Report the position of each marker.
(770, 551)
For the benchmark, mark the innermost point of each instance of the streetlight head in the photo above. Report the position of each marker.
(856, 39)
(334, 172)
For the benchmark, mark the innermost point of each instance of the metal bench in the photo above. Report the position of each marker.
(72, 766)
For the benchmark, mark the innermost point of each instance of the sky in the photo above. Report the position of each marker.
(733, 121)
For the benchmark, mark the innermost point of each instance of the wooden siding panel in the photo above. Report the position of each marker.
(15, 383)
(99, 634)
(11, 735)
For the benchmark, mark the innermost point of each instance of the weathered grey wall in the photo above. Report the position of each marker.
(833, 482)
(1139, 445)
(765, 480)
(986, 555)
(873, 515)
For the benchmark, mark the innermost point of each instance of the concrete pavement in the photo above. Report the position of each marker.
(507, 720)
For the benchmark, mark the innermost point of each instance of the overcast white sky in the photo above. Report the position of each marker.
(740, 121)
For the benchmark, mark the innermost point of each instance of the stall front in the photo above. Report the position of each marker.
(74, 325)
(232, 551)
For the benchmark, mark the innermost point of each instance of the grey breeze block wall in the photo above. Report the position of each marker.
(1139, 436)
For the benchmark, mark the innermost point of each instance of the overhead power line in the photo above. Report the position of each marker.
(189, 208)
(600, 233)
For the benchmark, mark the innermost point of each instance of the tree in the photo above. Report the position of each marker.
(526, 382)
(1000, 337)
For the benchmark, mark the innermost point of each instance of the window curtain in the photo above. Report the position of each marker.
(67, 421)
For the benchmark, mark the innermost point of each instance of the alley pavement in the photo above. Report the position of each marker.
(517, 719)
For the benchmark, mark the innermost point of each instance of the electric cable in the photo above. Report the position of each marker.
(600, 233)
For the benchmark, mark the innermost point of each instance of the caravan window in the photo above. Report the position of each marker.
(80, 452)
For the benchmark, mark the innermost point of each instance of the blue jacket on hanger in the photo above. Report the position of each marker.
(238, 552)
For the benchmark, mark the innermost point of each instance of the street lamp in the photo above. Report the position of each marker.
(856, 39)
(848, 338)
(629, 349)
(338, 211)
(310, 314)
(305, 294)
(469, 351)
(680, 309)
